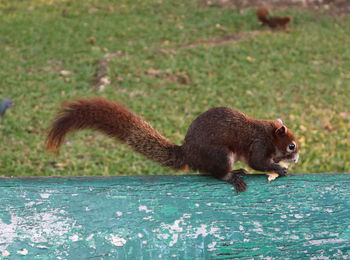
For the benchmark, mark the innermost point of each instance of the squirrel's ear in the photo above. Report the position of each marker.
(279, 120)
(281, 130)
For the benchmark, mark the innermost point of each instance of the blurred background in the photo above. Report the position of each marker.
(169, 61)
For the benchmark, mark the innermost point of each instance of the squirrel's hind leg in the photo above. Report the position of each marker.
(235, 177)
(217, 161)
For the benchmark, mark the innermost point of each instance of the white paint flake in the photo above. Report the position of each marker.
(213, 230)
(202, 230)
(173, 231)
(90, 237)
(144, 208)
(74, 238)
(175, 228)
(163, 236)
(5, 253)
(119, 213)
(326, 241)
(42, 247)
(30, 204)
(117, 240)
(174, 241)
(45, 195)
(211, 246)
(258, 228)
(257, 224)
(321, 257)
(46, 225)
(24, 251)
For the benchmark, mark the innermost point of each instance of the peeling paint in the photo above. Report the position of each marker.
(24, 251)
(48, 225)
(327, 241)
(133, 217)
(144, 208)
(211, 246)
(202, 230)
(74, 238)
(45, 195)
(5, 253)
(43, 247)
(30, 204)
(116, 240)
(90, 237)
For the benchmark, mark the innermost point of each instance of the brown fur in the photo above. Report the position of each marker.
(214, 141)
(222, 132)
(116, 121)
(273, 22)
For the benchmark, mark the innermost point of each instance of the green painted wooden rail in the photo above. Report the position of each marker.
(175, 217)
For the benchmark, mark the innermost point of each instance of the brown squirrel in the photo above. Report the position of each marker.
(214, 141)
(273, 22)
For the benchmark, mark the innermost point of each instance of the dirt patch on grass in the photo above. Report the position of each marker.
(100, 78)
(220, 41)
(333, 7)
(217, 41)
(179, 77)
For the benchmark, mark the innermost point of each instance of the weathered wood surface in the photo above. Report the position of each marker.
(175, 217)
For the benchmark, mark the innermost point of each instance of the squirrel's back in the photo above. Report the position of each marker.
(228, 127)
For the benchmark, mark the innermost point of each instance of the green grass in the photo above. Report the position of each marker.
(302, 76)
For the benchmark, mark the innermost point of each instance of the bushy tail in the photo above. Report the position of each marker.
(115, 121)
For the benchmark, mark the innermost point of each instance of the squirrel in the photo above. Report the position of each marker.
(215, 140)
(273, 22)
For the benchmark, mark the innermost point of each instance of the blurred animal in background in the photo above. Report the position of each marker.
(274, 22)
(4, 105)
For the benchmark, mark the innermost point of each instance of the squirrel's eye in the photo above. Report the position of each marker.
(291, 147)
